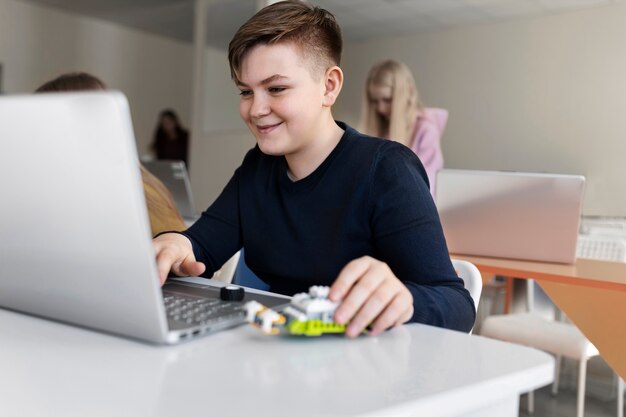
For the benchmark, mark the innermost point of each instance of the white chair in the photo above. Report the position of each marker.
(561, 339)
(227, 271)
(557, 337)
(470, 275)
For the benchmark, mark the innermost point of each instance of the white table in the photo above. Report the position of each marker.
(50, 369)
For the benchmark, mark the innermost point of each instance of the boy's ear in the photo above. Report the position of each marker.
(333, 81)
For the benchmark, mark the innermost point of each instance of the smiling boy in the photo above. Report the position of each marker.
(316, 202)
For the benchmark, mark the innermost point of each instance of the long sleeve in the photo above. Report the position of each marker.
(368, 198)
(216, 235)
(409, 238)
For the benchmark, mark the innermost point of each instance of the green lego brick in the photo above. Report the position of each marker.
(314, 328)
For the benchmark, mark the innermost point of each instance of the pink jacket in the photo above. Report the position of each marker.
(426, 141)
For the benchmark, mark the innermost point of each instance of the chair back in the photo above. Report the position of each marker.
(227, 272)
(244, 276)
(470, 275)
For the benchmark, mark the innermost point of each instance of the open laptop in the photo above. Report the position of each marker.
(510, 214)
(76, 243)
(173, 174)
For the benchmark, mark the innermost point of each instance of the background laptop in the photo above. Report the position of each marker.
(76, 243)
(173, 174)
(510, 214)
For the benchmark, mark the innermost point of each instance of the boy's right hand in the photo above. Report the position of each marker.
(174, 253)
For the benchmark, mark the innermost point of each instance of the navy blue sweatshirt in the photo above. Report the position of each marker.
(369, 197)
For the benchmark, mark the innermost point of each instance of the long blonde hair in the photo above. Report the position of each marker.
(162, 210)
(405, 103)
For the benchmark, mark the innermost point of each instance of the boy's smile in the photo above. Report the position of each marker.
(267, 128)
(286, 107)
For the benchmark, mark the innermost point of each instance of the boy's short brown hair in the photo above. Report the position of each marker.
(313, 29)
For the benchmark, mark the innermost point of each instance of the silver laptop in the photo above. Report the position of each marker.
(76, 243)
(173, 174)
(510, 214)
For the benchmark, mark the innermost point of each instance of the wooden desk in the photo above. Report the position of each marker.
(50, 369)
(592, 293)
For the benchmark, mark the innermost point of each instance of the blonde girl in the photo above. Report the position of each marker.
(392, 109)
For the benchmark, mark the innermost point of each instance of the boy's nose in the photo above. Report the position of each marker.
(259, 108)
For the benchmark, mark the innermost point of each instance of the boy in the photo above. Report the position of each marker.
(315, 202)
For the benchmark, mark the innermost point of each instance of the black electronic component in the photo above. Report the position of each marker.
(232, 293)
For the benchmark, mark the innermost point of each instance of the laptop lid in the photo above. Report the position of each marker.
(76, 243)
(173, 174)
(510, 214)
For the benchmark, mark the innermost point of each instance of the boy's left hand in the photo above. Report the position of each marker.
(371, 296)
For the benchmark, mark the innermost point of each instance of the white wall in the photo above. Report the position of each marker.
(541, 94)
(37, 44)
(219, 149)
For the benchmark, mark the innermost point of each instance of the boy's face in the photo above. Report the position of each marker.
(281, 100)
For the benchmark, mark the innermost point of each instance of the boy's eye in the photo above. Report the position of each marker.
(275, 90)
(245, 93)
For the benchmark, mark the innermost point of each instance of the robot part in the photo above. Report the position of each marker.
(266, 319)
(308, 314)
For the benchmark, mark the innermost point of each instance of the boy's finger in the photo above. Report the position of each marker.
(371, 309)
(395, 312)
(191, 268)
(165, 260)
(406, 316)
(347, 277)
(360, 293)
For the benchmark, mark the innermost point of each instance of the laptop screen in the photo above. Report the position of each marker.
(510, 214)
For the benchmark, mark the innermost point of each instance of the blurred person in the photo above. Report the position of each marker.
(171, 140)
(392, 109)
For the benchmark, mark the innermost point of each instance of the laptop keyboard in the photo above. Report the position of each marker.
(184, 311)
(597, 247)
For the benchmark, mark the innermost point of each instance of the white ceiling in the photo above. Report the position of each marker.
(359, 19)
